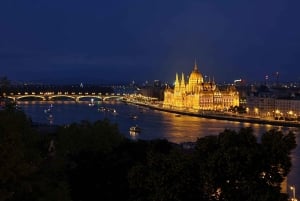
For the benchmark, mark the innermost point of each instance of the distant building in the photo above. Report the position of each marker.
(274, 104)
(198, 94)
(156, 90)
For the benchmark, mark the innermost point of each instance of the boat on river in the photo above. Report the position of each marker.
(135, 129)
(133, 116)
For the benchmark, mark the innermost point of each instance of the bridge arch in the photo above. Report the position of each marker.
(30, 96)
(10, 97)
(61, 96)
(88, 96)
(112, 97)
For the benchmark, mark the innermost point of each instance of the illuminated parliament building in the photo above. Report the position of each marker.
(198, 94)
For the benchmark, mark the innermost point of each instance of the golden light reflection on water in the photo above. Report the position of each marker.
(189, 128)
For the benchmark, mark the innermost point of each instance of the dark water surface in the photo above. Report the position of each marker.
(154, 124)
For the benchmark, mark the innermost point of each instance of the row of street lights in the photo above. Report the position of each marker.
(277, 114)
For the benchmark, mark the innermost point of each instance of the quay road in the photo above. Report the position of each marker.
(215, 115)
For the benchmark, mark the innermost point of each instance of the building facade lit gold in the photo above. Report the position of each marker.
(198, 94)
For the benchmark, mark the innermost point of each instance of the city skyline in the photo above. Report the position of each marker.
(112, 41)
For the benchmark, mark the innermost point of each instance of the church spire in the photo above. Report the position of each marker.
(177, 84)
(195, 66)
(182, 79)
(182, 84)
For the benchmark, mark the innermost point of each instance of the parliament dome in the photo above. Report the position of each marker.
(196, 76)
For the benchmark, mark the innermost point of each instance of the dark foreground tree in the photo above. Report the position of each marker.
(22, 173)
(93, 167)
(167, 173)
(234, 166)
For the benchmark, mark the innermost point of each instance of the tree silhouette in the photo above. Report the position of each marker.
(234, 166)
(24, 173)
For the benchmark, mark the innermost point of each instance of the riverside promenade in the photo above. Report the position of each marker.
(216, 115)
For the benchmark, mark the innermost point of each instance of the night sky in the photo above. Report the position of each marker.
(113, 41)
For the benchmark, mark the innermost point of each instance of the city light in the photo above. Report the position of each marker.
(293, 189)
(256, 111)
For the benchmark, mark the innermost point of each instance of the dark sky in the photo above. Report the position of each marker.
(96, 41)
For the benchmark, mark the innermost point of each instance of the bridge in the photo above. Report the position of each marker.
(43, 92)
(52, 96)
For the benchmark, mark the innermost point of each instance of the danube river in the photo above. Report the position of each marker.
(154, 124)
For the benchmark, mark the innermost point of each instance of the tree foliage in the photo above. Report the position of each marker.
(164, 175)
(21, 160)
(234, 166)
(98, 137)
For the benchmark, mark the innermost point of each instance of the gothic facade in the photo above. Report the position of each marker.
(198, 94)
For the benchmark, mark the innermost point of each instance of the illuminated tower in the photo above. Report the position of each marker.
(195, 79)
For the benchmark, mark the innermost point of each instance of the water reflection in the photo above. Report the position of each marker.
(189, 128)
(133, 135)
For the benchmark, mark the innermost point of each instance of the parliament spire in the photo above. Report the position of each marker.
(195, 66)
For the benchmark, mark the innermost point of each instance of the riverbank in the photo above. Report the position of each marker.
(219, 115)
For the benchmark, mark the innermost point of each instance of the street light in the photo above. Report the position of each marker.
(256, 111)
(293, 189)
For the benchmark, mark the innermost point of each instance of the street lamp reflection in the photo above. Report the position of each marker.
(293, 189)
